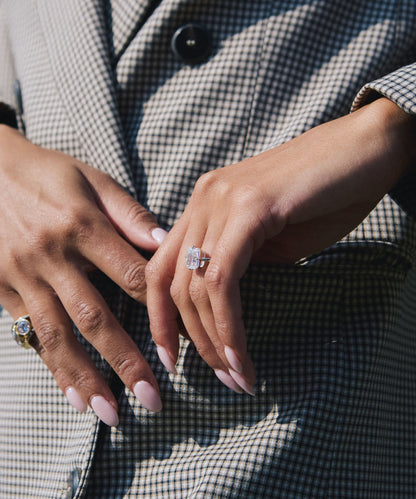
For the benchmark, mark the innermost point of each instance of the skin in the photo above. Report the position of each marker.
(302, 196)
(62, 218)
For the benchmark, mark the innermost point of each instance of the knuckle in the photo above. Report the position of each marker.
(45, 243)
(177, 292)
(135, 280)
(223, 328)
(59, 374)
(247, 195)
(205, 181)
(125, 365)
(214, 277)
(69, 373)
(49, 335)
(215, 181)
(21, 254)
(76, 224)
(90, 318)
(73, 225)
(81, 377)
(136, 213)
(197, 292)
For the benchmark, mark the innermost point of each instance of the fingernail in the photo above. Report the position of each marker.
(104, 410)
(245, 385)
(233, 359)
(147, 396)
(159, 234)
(166, 359)
(228, 381)
(75, 400)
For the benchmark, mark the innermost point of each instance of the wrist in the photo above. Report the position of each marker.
(398, 130)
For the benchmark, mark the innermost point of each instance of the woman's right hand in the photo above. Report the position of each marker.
(61, 218)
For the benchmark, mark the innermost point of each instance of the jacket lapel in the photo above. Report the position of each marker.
(75, 33)
(127, 16)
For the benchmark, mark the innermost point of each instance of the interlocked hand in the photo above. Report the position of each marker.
(279, 206)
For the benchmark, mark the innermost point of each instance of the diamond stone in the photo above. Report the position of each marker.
(193, 256)
(23, 327)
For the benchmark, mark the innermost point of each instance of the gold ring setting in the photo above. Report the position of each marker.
(22, 331)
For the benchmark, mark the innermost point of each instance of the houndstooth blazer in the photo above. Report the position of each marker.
(332, 337)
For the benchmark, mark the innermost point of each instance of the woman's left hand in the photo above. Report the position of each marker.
(279, 206)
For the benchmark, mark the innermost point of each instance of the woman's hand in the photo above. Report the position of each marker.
(61, 218)
(279, 206)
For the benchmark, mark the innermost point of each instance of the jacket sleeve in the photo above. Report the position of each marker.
(400, 87)
(7, 73)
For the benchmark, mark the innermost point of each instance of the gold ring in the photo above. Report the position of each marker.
(22, 331)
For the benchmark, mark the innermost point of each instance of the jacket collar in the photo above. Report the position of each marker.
(76, 35)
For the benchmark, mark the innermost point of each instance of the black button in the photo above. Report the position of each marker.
(192, 43)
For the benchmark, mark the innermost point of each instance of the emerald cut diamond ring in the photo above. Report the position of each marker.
(195, 258)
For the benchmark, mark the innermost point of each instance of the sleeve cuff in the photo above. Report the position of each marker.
(400, 88)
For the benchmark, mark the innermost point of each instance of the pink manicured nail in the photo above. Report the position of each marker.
(75, 400)
(242, 382)
(228, 381)
(234, 360)
(147, 396)
(166, 359)
(159, 235)
(104, 410)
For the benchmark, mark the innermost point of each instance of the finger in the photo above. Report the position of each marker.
(192, 296)
(130, 218)
(229, 260)
(97, 324)
(72, 368)
(107, 251)
(163, 313)
(207, 344)
(206, 338)
(164, 326)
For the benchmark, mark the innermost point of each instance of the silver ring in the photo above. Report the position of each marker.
(195, 258)
(22, 331)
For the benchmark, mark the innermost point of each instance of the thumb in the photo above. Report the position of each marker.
(129, 217)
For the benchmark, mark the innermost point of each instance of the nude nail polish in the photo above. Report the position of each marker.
(75, 400)
(228, 381)
(233, 359)
(147, 396)
(166, 359)
(104, 410)
(159, 235)
(245, 385)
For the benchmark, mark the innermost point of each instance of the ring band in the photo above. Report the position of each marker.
(195, 258)
(22, 331)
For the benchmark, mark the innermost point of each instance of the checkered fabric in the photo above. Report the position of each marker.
(332, 338)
